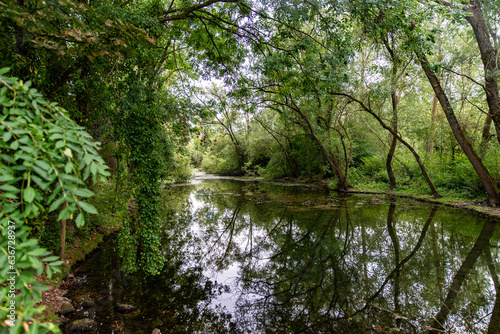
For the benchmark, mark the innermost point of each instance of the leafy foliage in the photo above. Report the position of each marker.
(44, 152)
(46, 157)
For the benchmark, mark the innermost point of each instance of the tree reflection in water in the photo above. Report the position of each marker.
(296, 260)
(313, 269)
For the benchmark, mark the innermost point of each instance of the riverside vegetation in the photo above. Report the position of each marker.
(104, 102)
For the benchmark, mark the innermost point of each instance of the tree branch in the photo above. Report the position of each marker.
(185, 12)
(464, 75)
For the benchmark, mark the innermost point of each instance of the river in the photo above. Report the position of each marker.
(263, 257)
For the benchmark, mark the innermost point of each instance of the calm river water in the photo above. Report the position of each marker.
(256, 257)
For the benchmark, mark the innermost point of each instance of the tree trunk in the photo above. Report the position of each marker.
(480, 168)
(394, 141)
(399, 266)
(333, 163)
(459, 278)
(430, 143)
(397, 254)
(495, 314)
(489, 59)
(234, 140)
(394, 122)
(485, 137)
(437, 263)
(434, 191)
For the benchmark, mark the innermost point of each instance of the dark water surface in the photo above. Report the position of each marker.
(248, 257)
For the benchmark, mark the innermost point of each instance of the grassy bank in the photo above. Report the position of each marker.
(420, 192)
(478, 206)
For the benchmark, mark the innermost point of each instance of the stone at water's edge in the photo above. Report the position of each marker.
(62, 299)
(125, 308)
(87, 303)
(66, 308)
(82, 325)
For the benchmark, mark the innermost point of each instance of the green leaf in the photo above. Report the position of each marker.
(39, 182)
(38, 252)
(8, 158)
(29, 194)
(9, 188)
(70, 178)
(64, 214)
(49, 272)
(50, 258)
(86, 173)
(30, 150)
(80, 220)
(55, 136)
(9, 195)
(41, 172)
(24, 140)
(69, 167)
(57, 203)
(55, 191)
(82, 192)
(56, 263)
(6, 177)
(10, 207)
(6, 136)
(93, 168)
(87, 207)
(29, 243)
(40, 287)
(42, 164)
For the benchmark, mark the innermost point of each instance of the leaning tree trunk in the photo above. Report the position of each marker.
(394, 122)
(495, 314)
(460, 276)
(332, 162)
(489, 58)
(394, 141)
(432, 135)
(481, 170)
(426, 176)
(397, 255)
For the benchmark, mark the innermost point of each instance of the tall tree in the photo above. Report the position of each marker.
(486, 39)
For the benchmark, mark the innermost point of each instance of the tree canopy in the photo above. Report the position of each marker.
(387, 95)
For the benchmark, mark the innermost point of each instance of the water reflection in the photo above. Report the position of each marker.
(266, 258)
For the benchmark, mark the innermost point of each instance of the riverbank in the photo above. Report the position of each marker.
(480, 207)
(77, 251)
